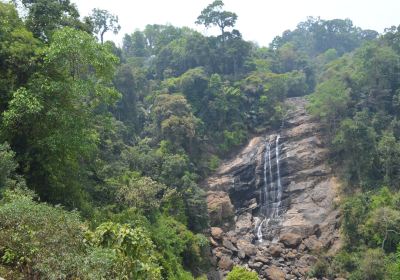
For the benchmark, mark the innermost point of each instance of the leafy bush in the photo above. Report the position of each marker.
(8, 165)
(134, 251)
(45, 241)
(241, 273)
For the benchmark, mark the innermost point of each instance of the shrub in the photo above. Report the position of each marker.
(241, 273)
(40, 239)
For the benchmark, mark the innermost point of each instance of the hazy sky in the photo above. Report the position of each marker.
(258, 20)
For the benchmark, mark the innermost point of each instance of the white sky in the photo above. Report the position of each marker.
(258, 20)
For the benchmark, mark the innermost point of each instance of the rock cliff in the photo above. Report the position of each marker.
(272, 207)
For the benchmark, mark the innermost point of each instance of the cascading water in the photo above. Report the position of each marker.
(271, 191)
(278, 200)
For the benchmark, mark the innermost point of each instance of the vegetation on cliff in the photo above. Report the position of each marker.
(356, 98)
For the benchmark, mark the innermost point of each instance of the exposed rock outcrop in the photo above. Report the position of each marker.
(306, 221)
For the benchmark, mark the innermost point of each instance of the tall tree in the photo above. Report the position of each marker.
(103, 21)
(45, 16)
(52, 121)
(214, 14)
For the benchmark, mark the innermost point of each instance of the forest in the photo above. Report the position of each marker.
(103, 148)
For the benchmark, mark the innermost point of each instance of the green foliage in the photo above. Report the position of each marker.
(130, 159)
(359, 155)
(178, 245)
(241, 273)
(45, 16)
(320, 269)
(372, 266)
(214, 162)
(45, 241)
(103, 21)
(8, 166)
(141, 193)
(329, 102)
(18, 50)
(134, 251)
(54, 116)
(214, 15)
(316, 36)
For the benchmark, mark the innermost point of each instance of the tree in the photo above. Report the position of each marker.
(103, 21)
(135, 251)
(18, 49)
(389, 157)
(329, 103)
(141, 193)
(52, 122)
(214, 15)
(45, 16)
(136, 44)
(8, 167)
(174, 120)
(355, 144)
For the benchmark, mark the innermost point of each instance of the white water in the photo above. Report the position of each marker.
(271, 194)
(278, 200)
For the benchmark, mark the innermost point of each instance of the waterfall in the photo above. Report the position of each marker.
(264, 192)
(278, 200)
(271, 191)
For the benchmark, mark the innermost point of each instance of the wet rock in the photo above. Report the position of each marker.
(290, 240)
(274, 273)
(216, 233)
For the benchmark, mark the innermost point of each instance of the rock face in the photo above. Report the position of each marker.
(275, 233)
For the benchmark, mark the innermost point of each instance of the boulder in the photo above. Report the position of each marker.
(244, 223)
(274, 273)
(212, 242)
(246, 247)
(216, 232)
(219, 207)
(291, 255)
(262, 259)
(290, 240)
(301, 248)
(225, 263)
(219, 252)
(275, 250)
(228, 244)
(256, 265)
(307, 261)
(313, 244)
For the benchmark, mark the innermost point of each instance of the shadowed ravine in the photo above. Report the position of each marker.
(272, 206)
